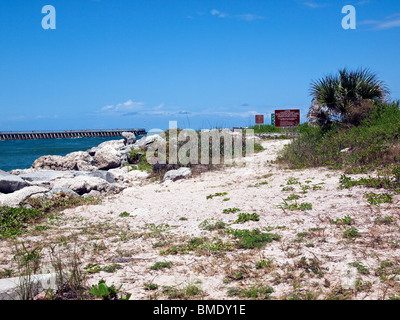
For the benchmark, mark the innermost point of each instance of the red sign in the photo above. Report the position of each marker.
(260, 119)
(287, 118)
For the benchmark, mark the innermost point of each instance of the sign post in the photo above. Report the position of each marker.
(287, 118)
(259, 120)
(273, 119)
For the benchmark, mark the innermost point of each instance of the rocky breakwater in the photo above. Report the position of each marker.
(101, 171)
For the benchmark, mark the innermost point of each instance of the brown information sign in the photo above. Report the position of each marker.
(259, 119)
(287, 118)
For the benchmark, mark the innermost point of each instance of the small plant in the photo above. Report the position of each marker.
(347, 220)
(295, 206)
(244, 217)
(311, 265)
(254, 292)
(59, 202)
(377, 199)
(305, 206)
(386, 220)
(360, 268)
(14, 221)
(287, 189)
(264, 264)
(216, 195)
(210, 225)
(292, 180)
(351, 233)
(293, 197)
(92, 268)
(102, 290)
(111, 268)
(252, 239)
(257, 184)
(230, 210)
(161, 265)
(124, 214)
(150, 286)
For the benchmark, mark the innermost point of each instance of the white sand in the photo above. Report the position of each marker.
(159, 204)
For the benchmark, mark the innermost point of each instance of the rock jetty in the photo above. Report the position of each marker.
(100, 171)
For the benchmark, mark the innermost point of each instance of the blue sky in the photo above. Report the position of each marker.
(127, 63)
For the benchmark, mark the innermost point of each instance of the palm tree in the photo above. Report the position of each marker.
(347, 97)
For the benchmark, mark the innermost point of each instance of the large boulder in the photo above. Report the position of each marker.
(107, 176)
(75, 161)
(10, 183)
(14, 199)
(145, 142)
(107, 158)
(42, 176)
(181, 173)
(129, 138)
(84, 184)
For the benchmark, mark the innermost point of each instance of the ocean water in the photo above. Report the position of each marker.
(20, 154)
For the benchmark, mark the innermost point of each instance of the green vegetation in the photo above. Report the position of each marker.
(59, 202)
(243, 217)
(254, 292)
(14, 221)
(351, 125)
(161, 265)
(360, 267)
(266, 128)
(347, 220)
(218, 194)
(190, 290)
(231, 210)
(102, 290)
(137, 160)
(210, 225)
(376, 199)
(252, 239)
(351, 233)
(124, 214)
(295, 206)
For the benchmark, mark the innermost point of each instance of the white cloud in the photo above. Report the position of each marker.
(127, 106)
(249, 17)
(245, 17)
(390, 22)
(219, 14)
(315, 5)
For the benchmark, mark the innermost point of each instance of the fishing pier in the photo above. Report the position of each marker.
(69, 134)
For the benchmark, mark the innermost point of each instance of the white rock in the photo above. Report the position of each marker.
(107, 158)
(82, 184)
(181, 173)
(14, 199)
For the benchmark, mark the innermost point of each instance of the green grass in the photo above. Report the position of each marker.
(61, 202)
(377, 199)
(161, 265)
(254, 292)
(244, 217)
(372, 143)
(266, 128)
(230, 210)
(347, 220)
(247, 239)
(15, 221)
(351, 233)
(211, 225)
(218, 194)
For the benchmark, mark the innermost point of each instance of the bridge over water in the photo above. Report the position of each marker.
(34, 135)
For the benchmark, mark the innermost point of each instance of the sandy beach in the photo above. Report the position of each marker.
(311, 259)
